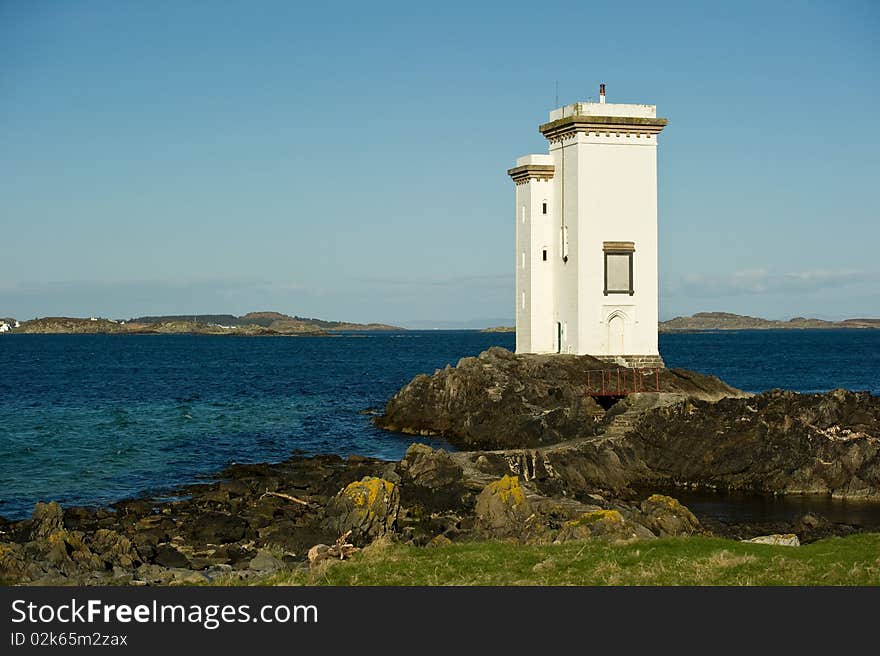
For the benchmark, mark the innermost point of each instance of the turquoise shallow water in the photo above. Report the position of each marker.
(90, 419)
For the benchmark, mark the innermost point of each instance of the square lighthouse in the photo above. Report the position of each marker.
(586, 235)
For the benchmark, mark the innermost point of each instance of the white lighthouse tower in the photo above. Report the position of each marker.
(586, 235)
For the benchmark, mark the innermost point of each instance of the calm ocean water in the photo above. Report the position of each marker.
(90, 419)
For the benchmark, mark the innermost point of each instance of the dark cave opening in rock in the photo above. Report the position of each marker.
(607, 402)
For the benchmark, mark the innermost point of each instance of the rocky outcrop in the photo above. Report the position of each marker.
(502, 400)
(777, 442)
(253, 518)
(696, 432)
(772, 443)
(260, 518)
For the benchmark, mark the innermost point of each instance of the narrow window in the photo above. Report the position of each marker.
(618, 267)
(523, 213)
(523, 300)
(523, 260)
(544, 255)
(543, 208)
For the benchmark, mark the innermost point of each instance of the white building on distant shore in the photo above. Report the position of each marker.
(586, 235)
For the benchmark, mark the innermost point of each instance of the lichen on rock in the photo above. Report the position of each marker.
(368, 508)
(606, 524)
(666, 516)
(502, 508)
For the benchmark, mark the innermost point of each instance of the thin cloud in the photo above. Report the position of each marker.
(494, 281)
(761, 282)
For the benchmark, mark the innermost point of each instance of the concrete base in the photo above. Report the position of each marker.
(634, 361)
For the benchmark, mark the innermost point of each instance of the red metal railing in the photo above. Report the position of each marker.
(620, 382)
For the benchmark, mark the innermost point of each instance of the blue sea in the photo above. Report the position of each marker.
(90, 419)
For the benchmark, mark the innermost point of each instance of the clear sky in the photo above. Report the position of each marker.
(347, 160)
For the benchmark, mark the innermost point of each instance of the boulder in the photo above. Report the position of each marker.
(114, 549)
(368, 508)
(502, 508)
(428, 468)
(15, 566)
(265, 562)
(439, 541)
(133, 507)
(602, 524)
(778, 539)
(169, 556)
(666, 516)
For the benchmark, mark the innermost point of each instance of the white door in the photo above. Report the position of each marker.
(615, 335)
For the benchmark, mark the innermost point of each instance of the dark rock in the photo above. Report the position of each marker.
(78, 518)
(776, 442)
(47, 518)
(217, 528)
(772, 443)
(133, 507)
(429, 468)
(168, 556)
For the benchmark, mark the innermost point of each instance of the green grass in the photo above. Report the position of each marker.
(854, 560)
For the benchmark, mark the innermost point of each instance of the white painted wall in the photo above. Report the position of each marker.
(617, 190)
(604, 109)
(534, 276)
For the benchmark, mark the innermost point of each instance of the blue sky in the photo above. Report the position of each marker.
(348, 161)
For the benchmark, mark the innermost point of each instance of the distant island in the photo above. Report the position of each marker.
(253, 323)
(727, 321)
(705, 321)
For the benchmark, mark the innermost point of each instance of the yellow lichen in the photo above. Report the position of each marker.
(669, 501)
(611, 516)
(508, 490)
(367, 492)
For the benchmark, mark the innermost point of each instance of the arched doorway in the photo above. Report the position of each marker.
(616, 335)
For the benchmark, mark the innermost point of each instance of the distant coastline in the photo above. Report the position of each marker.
(709, 321)
(713, 321)
(251, 324)
(275, 323)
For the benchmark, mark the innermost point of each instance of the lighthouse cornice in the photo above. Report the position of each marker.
(570, 125)
(525, 173)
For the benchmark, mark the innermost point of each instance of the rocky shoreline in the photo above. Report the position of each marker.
(547, 464)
